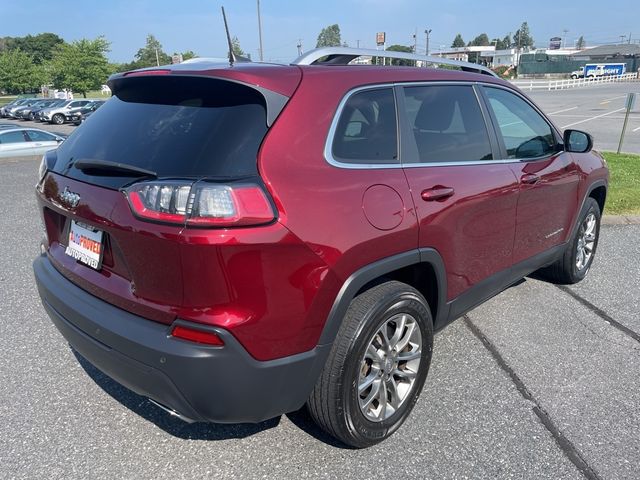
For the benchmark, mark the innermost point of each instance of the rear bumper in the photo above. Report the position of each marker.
(201, 383)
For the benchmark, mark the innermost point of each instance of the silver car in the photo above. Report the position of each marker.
(56, 114)
(16, 142)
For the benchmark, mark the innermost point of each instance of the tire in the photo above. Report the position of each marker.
(569, 268)
(32, 117)
(58, 119)
(357, 364)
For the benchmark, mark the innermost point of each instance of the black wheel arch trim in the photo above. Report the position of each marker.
(378, 269)
(589, 191)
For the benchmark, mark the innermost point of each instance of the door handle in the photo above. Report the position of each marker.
(437, 193)
(530, 178)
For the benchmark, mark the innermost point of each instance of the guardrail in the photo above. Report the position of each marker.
(571, 82)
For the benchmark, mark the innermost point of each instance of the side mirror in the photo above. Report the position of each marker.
(577, 141)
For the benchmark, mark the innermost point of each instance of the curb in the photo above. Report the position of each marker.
(620, 220)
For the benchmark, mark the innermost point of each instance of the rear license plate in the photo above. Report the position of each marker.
(85, 244)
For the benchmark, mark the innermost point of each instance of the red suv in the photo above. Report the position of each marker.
(233, 242)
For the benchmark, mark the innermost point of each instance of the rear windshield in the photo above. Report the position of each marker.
(177, 127)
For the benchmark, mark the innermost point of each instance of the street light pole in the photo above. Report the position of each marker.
(260, 31)
(427, 33)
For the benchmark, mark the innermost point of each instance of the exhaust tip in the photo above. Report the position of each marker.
(172, 412)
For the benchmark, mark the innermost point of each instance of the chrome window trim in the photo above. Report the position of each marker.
(328, 154)
(328, 146)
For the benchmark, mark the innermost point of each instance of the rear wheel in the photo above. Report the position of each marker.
(377, 366)
(578, 256)
(58, 119)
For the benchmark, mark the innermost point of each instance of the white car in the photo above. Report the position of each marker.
(15, 142)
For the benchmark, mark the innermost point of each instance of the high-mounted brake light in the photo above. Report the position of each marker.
(202, 204)
(147, 72)
(197, 336)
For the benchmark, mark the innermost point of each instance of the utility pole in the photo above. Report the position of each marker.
(157, 58)
(358, 43)
(622, 37)
(427, 32)
(300, 47)
(260, 31)
(415, 42)
(564, 38)
(630, 37)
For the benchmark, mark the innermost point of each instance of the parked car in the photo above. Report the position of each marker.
(34, 115)
(17, 111)
(56, 114)
(26, 112)
(233, 243)
(9, 110)
(15, 142)
(6, 107)
(77, 115)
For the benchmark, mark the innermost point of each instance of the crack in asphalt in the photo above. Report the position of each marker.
(601, 313)
(567, 448)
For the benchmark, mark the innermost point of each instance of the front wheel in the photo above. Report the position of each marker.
(58, 119)
(576, 261)
(377, 366)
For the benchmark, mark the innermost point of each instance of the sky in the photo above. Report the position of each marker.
(197, 24)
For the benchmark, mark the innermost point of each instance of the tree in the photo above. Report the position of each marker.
(481, 40)
(150, 55)
(189, 54)
(40, 47)
(329, 37)
(458, 42)
(81, 65)
(237, 50)
(18, 72)
(523, 38)
(399, 61)
(581, 44)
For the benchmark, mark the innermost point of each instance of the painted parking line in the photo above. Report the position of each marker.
(594, 118)
(565, 110)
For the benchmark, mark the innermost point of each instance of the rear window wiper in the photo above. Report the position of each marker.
(113, 169)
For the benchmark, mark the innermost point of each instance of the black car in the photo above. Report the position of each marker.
(78, 115)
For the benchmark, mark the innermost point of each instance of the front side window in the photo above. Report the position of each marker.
(447, 123)
(367, 129)
(36, 136)
(525, 132)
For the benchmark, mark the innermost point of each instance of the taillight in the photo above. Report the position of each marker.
(197, 336)
(202, 204)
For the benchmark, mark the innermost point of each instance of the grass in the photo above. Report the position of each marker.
(623, 197)
(5, 100)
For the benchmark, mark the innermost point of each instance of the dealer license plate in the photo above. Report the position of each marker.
(85, 244)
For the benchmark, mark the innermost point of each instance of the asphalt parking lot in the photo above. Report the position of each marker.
(541, 382)
(597, 109)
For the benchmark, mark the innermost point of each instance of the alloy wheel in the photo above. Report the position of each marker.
(389, 367)
(586, 241)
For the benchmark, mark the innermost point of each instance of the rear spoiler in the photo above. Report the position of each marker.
(274, 102)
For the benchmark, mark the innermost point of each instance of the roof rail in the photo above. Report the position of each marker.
(344, 55)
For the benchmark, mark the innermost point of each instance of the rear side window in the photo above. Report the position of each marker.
(180, 127)
(525, 133)
(447, 123)
(367, 130)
